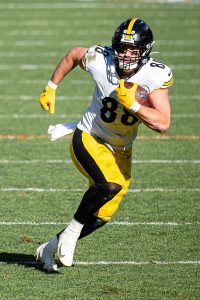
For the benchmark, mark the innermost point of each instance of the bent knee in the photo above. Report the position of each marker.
(108, 189)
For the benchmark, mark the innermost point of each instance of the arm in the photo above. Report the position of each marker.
(158, 117)
(67, 63)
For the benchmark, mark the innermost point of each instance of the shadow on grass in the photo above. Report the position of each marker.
(26, 260)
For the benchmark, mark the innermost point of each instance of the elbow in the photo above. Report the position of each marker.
(162, 131)
(163, 128)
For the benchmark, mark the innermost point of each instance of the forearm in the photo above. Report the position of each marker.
(67, 64)
(154, 119)
(156, 116)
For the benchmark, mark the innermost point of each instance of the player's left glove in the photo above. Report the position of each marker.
(127, 96)
(48, 96)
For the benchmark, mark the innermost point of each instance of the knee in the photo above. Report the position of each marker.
(108, 189)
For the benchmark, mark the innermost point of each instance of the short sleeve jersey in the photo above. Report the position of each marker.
(106, 118)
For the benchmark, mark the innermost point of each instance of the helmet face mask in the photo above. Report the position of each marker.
(127, 57)
(132, 44)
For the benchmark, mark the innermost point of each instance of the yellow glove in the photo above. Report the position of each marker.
(47, 99)
(126, 96)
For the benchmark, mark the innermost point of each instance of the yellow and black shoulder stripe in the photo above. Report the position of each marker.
(168, 83)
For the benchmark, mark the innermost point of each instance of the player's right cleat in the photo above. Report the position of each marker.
(66, 248)
(46, 254)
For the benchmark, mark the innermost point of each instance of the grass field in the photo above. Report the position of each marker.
(151, 248)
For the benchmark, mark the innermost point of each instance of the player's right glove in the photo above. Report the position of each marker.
(48, 96)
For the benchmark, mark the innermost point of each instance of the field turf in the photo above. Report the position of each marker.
(151, 248)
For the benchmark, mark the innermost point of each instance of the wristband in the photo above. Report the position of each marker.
(135, 106)
(52, 85)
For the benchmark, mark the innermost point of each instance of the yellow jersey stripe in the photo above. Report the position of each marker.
(168, 83)
(130, 27)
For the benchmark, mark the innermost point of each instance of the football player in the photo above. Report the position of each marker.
(101, 146)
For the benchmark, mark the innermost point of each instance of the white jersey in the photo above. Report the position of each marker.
(106, 118)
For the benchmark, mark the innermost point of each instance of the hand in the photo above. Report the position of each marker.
(126, 95)
(47, 99)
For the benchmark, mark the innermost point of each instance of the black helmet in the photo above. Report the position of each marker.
(134, 33)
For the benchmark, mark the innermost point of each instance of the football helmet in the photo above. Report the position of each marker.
(136, 37)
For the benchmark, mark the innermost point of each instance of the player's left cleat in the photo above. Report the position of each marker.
(66, 248)
(46, 254)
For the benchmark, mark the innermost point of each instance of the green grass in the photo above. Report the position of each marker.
(163, 230)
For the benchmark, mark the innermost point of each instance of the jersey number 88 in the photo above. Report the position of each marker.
(108, 112)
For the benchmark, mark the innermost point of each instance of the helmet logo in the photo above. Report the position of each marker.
(128, 36)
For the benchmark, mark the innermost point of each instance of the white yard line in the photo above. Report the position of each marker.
(60, 161)
(23, 54)
(39, 116)
(78, 98)
(192, 81)
(35, 161)
(122, 223)
(90, 5)
(79, 42)
(137, 263)
(27, 67)
(31, 67)
(115, 263)
(31, 137)
(59, 98)
(78, 116)
(163, 190)
(163, 161)
(78, 190)
(81, 32)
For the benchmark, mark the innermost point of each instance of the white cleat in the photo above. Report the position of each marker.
(46, 255)
(66, 248)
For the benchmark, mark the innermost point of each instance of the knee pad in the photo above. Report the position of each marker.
(94, 198)
(108, 189)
